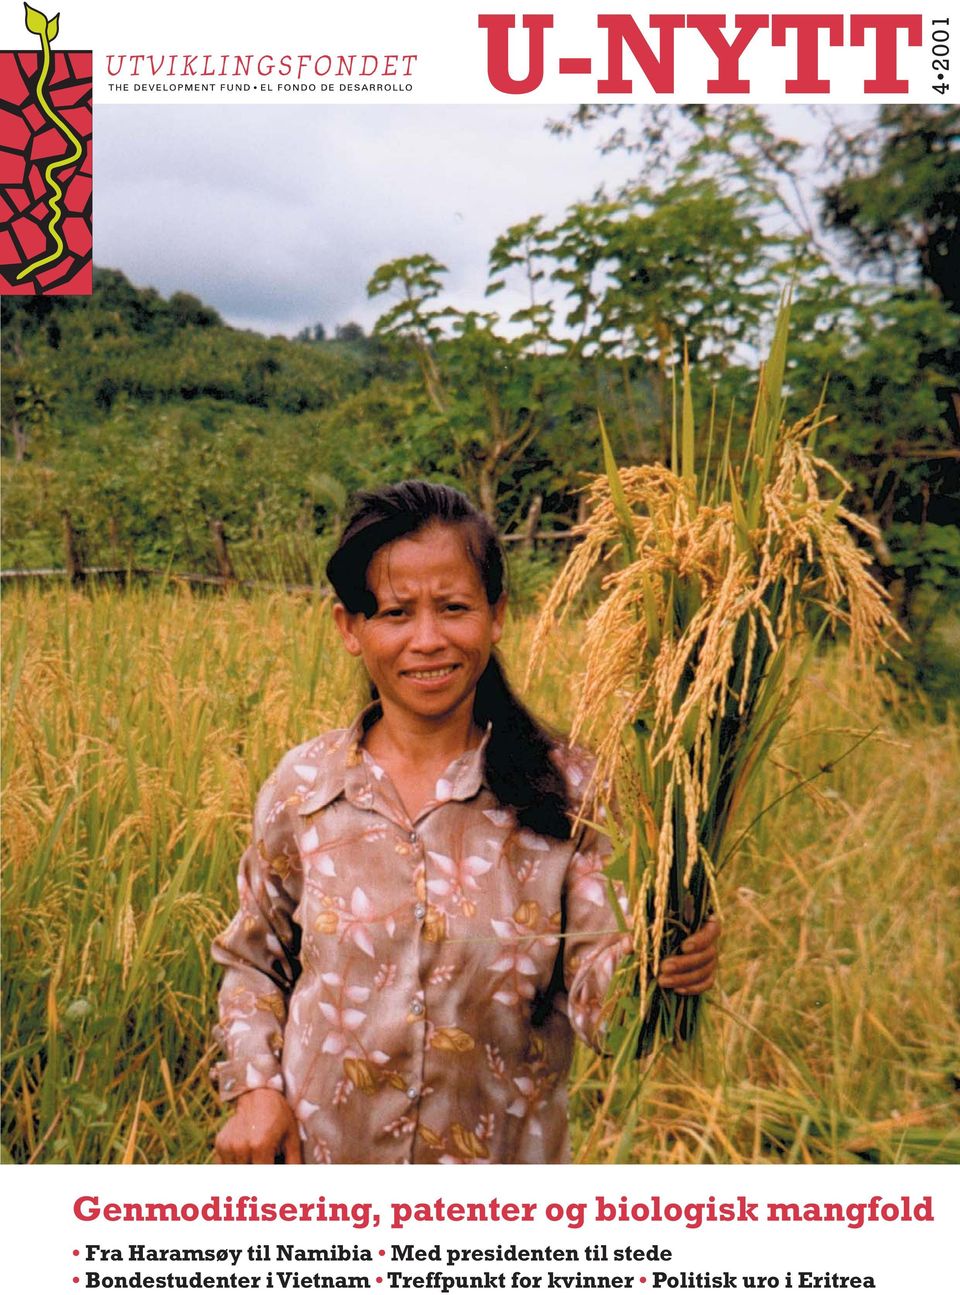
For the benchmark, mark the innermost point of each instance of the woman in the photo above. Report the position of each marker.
(423, 924)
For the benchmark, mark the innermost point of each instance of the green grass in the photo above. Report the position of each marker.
(136, 730)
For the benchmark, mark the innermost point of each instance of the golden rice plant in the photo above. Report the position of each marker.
(691, 668)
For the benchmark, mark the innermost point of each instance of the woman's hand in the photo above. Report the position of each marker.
(262, 1128)
(694, 969)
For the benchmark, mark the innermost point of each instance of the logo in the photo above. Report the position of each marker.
(46, 180)
(658, 60)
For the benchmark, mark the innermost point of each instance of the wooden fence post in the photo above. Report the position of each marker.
(224, 565)
(71, 551)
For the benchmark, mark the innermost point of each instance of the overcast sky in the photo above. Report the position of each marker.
(278, 216)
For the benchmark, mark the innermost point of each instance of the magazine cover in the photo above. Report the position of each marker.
(480, 646)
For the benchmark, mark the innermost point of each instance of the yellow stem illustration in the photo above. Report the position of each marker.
(53, 186)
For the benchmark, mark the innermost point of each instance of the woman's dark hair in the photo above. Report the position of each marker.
(519, 767)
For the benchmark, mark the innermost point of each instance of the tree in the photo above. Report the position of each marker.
(312, 333)
(350, 333)
(412, 321)
(615, 289)
(653, 272)
(186, 311)
(896, 204)
(27, 398)
(897, 198)
(489, 395)
(889, 341)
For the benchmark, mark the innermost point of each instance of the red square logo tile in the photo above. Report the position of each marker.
(46, 159)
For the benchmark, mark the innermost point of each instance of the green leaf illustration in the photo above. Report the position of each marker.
(36, 21)
(46, 29)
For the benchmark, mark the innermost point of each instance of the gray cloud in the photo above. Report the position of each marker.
(278, 215)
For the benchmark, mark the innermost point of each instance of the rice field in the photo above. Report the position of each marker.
(136, 729)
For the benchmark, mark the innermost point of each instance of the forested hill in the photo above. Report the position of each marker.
(128, 343)
(149, 418)
(153, 424)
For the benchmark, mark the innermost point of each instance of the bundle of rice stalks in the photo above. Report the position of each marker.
(691, 662)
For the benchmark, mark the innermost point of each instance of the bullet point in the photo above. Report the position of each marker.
(76, 1279)
(76, 1252)
(383, 1252)
(379, 1279)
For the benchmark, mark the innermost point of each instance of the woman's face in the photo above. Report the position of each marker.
(429, 641)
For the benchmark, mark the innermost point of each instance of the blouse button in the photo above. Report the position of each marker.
(420, 912)
(416, 1007)
(412, 1094)
(414, 838)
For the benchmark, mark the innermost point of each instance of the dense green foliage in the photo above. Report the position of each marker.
(897, 203)
(149, 419)
(156, 427)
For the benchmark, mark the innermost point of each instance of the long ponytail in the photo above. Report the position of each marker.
(519, 768)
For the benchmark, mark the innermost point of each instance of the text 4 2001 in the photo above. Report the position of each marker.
(940, 49)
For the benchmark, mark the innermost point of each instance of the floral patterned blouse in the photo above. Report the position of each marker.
(404, 983)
